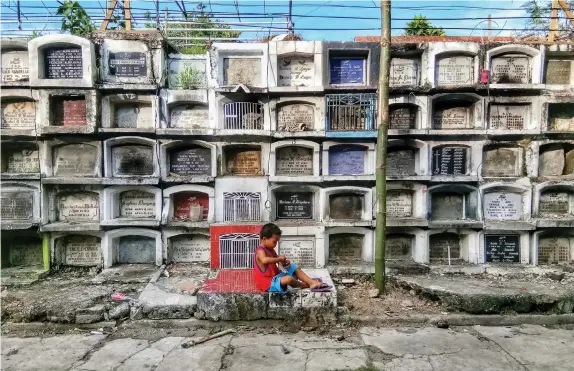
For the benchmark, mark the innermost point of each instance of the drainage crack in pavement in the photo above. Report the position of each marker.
(164, 356)
(130, 356)
(222, 363)
(507, 353)
(86, 357)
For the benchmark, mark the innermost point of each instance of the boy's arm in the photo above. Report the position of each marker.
(264, 259)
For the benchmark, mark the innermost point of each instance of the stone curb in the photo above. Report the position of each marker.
(466, 320)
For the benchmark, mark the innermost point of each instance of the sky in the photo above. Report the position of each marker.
(309, 17)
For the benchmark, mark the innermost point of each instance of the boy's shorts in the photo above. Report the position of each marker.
(276, 281)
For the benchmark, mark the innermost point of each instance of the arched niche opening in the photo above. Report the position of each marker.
(404, 116)
(76, 160)
(457, 111)
(400, 247)
(453, 202)
(20, 158)
(455, 68)
(502, 161)
(18, 112)
(242, 112)
(242, 159)
(188, 115)
(296, 116)
(556, 159)
(451, 159)
(347, 159)
(295, 203)
(188, 248)
(77, 206)
(82, 250)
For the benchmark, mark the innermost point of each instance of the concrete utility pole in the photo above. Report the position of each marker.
(383, 126)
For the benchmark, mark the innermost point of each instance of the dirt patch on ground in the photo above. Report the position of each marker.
(394, 301)
(57, 297)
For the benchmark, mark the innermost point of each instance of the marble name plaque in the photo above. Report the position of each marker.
(451, 118)
(136, 250)
(26, 253)
(447, 206)
(399, 204)
(18, 115)
(15, 66)
(17, 206)
(401, 163)
(502, 248)
(132, 160)
(294, 205)
(399, 247)
(189, 117)
(133, 115)
(245, 71)
(554, 203)
(63, 63)
(502, 206)
(508, 117)
(403, 118)
(82, 250)
(193, 161)
(298, 251)
(444, 245)
(346, 206)
(295, 117)
(137, 204)
(404, 72)
(553, 250)
(245, 162)
(79, 207)
(296, 71)
(345, 248)
(190, 248)
(23, 161)
(449, 161)
(347, 160)
(294, 161)
(128, 64)
(455, 71)
(500, 162)
(510, 69)
(347, 71)
(69, 112)
(558, 72)
(75, 160)
(190, 206)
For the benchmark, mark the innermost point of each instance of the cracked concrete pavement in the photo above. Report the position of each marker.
(520, 348)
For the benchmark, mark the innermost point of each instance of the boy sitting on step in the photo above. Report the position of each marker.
(272, 278)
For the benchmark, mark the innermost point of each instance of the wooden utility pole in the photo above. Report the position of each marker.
(110, 13)
(381, 154)
(556, 5)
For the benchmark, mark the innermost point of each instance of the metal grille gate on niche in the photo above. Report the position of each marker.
(351, 112)
(236, 250)
(241, 206)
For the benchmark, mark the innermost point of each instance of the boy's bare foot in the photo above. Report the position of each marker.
(303, 285)
(315, 284)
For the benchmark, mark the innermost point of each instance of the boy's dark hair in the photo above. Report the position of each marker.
(268, 230)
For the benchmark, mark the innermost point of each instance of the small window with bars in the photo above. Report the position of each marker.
(243, 115)
(351, 112)
(241, 206)
(236, 250)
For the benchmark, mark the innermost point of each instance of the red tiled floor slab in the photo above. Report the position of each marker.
(232, 280)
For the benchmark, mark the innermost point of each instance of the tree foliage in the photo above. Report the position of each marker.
(421, 26)
(75, 19)
(538, 24)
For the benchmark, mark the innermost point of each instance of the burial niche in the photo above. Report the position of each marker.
(243, 160)
(295, 117)
(190, 248)
(404, 71)
(453, 112)
(194, 160)
(137, 205)
(447, 206)
(454, 70)
(347, 70)
(245, 71)
(444, 248)
(556, 159)
(447, 160)
(136, 250)
(346, 248)
(236, 250)
(501, 161)
(508, 116)
(131, 115)
(347, 159)
(346, 206)
(63, 62)
(20, 158)
(80, 250)
(555, 203)
(561, 116)
(75, 159)
(190, 206)
(22, 252)
(17, 206)
(298, 250)
(189, 116)
(68, 111)
(132, 159)
(351, 112)
(401, 161)
(510, 69)
(294, 160)
(403, 116)
(554, 250)
(78, 207)
(502, 248)
(399, 247)
(241, 206)
(18, 114)
(502, 206)
(294, 205)
(558, 72)
(243, 115)
(15, 67)
(399, 204)
(295, 71)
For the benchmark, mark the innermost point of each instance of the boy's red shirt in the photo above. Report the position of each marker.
(264, 277)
